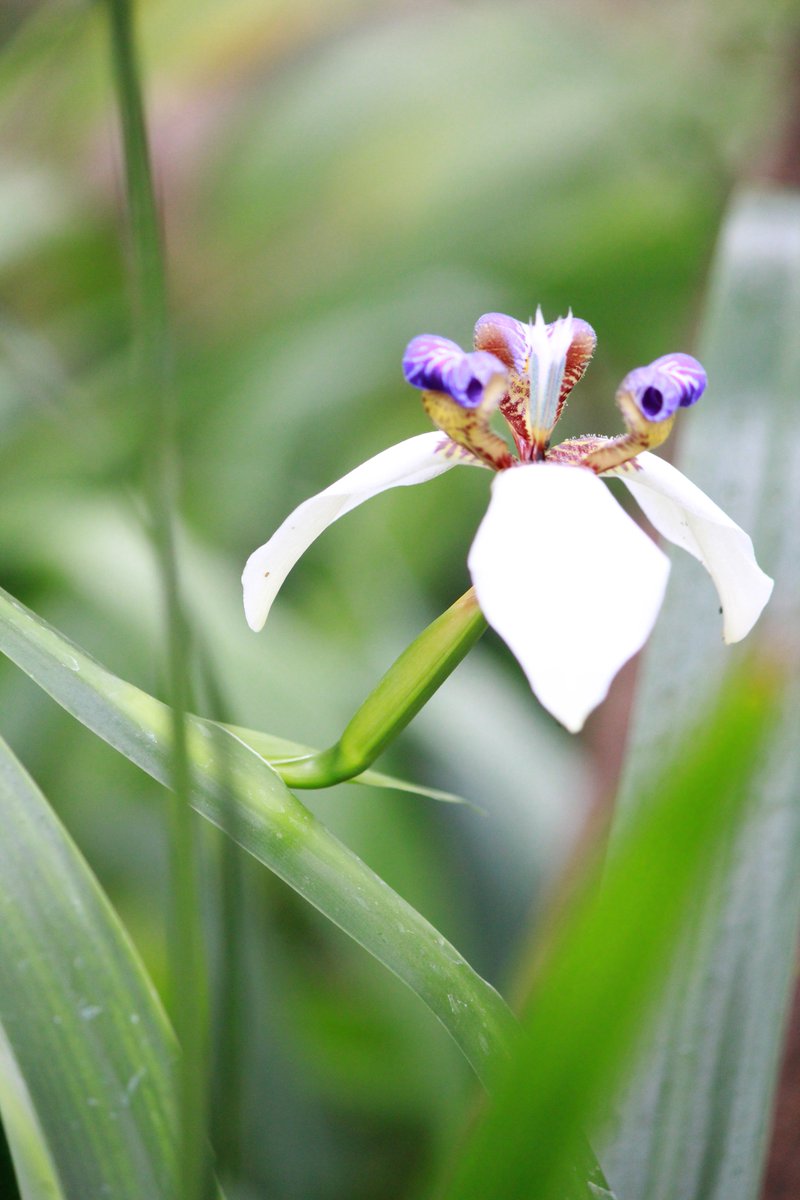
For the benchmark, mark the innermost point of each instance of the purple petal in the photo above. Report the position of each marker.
(438, 365)
(688, 375)
(673, 381)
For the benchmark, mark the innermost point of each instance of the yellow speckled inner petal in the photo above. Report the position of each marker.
(469, 427)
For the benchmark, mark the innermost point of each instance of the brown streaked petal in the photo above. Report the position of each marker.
(507, 339)
(504, 337)
(574, 451)
(579, 355)
(515, 407)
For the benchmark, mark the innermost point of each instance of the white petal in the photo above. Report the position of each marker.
(413, 461)
(685, 515)
(549, 346)
(568, 580)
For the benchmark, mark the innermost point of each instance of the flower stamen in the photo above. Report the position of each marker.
(549, 346)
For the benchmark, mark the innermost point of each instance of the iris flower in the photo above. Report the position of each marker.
(561, 572)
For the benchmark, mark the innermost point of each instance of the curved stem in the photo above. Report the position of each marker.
(409, 683)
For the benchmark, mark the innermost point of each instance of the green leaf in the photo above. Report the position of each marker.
(694, 1126)
(87, 1054)
(233, 787)
(33, 1166)
(612, 951)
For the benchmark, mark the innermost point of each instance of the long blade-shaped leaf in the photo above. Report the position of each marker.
(271, 824)
(79, 1021)
(695, 1125)
(607, 962)
(278, 830)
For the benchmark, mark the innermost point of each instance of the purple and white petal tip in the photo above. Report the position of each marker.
(504, 337)
(671, 382)
(438, 365)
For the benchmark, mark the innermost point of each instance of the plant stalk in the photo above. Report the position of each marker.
(153, 365)
(409, 683)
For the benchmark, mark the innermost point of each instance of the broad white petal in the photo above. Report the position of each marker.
(568, 580)
(683, 514)
(412, 461)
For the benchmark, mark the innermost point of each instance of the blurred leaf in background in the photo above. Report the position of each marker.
(597, 979)
(696, 1123)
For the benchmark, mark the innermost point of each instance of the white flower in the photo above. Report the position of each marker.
(561, 572)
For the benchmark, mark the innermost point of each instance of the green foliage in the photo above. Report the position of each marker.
(238, 791)
(597, 982)
(695, 1125)
(87, 1055)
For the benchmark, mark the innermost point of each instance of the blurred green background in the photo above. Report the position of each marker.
(335, 178)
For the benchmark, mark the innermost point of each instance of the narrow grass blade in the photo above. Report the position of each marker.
(152, 347)
(695, 1125)
(33, 1167)
(271, 824)
(79, 1021)
(604, 968)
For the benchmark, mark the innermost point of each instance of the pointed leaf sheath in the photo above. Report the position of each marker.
(683, 514)
(568, 580)
(413, 461)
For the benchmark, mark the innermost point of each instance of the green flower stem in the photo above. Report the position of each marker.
(408, 684)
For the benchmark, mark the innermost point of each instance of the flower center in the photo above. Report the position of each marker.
(652, 401)
(528, 371)
(549, 346)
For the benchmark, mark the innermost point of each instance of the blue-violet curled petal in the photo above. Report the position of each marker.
(438, 365)
(672, 381)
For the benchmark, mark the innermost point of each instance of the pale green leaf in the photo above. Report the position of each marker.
(235, 789)
(87, 1058)
(607, 960)
(33, 1166)
(695, 1125)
